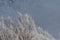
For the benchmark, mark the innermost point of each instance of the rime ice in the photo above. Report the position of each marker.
(22, 29)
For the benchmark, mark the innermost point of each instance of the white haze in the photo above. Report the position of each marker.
(23, 28)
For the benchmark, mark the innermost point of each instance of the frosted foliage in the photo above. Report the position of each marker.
(24, 28)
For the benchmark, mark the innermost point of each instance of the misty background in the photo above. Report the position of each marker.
(46, 13)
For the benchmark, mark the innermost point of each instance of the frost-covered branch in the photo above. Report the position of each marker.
(24, 28)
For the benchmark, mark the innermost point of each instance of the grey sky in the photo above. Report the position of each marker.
(45, 12)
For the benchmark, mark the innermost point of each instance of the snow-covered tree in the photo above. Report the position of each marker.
(24, 28)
